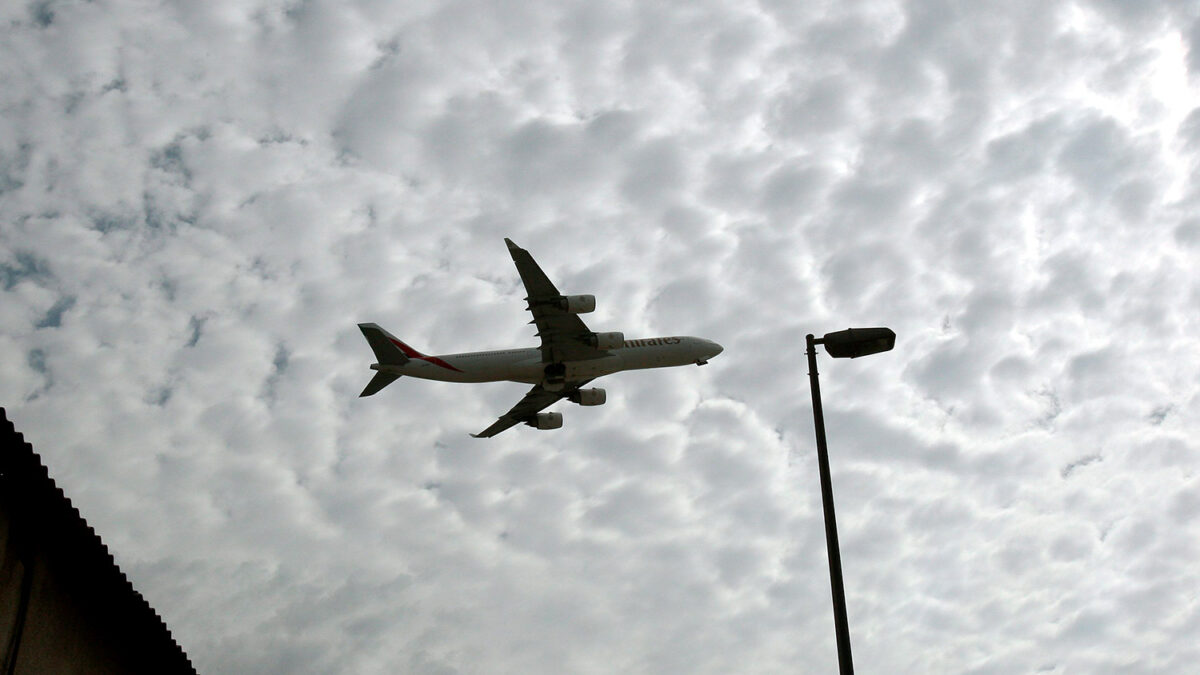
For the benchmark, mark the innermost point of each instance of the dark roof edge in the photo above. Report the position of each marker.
(50, 507)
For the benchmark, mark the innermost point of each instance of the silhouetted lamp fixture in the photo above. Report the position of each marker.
(850, 343)
(855, 342)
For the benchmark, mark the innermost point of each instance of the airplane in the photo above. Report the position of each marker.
(570, 355)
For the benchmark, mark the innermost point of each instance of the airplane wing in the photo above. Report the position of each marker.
(536, 400)
(562, 333)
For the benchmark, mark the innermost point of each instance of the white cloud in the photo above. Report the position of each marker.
(201, 200)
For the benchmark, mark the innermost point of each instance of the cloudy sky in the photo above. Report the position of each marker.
(199, 201)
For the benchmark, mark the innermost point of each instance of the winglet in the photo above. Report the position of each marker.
(514, 250)
(499, 425)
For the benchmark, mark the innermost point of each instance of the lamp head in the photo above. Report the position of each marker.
(855, 342)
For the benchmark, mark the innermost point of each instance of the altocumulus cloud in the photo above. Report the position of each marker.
(198, 201)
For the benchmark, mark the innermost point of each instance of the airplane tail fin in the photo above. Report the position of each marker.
(389, 351)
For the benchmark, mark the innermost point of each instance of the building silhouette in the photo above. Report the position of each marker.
(65, 606)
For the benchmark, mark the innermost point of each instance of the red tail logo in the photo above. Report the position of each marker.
(414, 354)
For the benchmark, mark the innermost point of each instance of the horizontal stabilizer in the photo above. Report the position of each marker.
(378, 382)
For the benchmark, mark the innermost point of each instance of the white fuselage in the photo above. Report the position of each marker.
(525, 365)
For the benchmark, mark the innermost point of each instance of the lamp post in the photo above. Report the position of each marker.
(850, 343)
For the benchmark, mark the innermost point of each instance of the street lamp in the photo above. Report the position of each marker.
(850, 343)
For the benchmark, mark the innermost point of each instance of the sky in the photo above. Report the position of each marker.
(200, 201)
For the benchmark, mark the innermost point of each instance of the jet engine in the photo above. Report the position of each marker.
(614, 340)
(577, 304)
(549, 420)
(594, 396)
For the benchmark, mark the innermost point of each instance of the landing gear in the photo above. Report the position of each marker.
(555, 377)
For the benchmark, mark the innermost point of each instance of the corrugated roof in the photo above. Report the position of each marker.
(47, 516)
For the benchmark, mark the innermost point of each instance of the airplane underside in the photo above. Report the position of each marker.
(570, 355)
